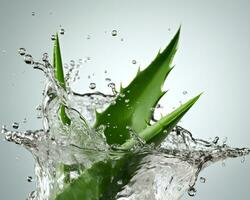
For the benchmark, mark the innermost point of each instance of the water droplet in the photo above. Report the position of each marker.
(88, 58)
(22, 51)
(111, 85)
(127, 100)
(105, 71)
(133, 62)
(62, 31)
(192, 192)
(119, 182)
(184, 92)
(25, 120)
(216, 139)
(29, 179)
(88, 37)
(38, 107)
(3, 129)
(15, 125)
(28, 59)
(158, 106)
(224, 140)
(88, 76)
(53, 37)
(122, 39)
(108, 114)
(80, 61)
(169, 29)
(33, 13)
(107, 79)
(32, 195)
(114, 33)
(92, 86)
(45, 57)
(202, 179)
(72, 63)
(243, 159)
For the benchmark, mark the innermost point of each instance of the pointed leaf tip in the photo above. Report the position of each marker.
(141, 95)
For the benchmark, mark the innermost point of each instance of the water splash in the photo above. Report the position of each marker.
(164, 172)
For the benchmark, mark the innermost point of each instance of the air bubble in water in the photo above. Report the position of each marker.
(62, 31)
(33, 13)
(15, 125)
(114, 33)
(45, 57)
(126, 100)
(22, 51)
(107, 79)
(29, 179)
(28, 59)
(53, 37)
(133, 62)
(192, 192)
(202, 180)
(88, 37)
(92, 86)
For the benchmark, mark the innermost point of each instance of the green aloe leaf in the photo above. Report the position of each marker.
(57, 63)
(157, 132)
(134, 106)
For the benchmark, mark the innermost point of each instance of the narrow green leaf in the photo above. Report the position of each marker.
(134, 105)
(157, 132)
(57, 63)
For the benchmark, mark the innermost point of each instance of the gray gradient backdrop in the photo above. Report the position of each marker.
(213, 57)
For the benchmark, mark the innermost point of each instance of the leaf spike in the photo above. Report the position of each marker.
(138, 71)
(121, 88)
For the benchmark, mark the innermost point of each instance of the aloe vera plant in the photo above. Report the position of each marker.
(131, 112)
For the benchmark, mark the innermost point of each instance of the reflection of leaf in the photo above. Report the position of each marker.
(103, 180)
(57, 63)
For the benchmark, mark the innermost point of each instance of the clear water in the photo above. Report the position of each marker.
(164, 172)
